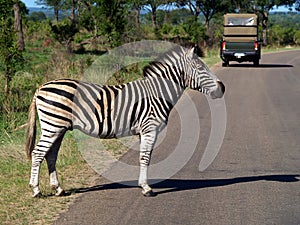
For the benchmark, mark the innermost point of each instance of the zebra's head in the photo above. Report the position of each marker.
(199, 77)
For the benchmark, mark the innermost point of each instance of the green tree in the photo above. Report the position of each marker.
(56, 5)
(297, 5)
(263, 7)
(70, 6)
(37, 16)
(64, 32)
(136, 6)
(105, 18)
(241, 6)
(193, 7)
(152, 6)
(18, 25)
(196, 32)
(210, 8)
(10, 55)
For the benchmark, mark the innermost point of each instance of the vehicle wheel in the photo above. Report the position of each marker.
(225, 63)
(256, 62)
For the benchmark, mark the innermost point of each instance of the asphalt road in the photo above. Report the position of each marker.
(253, 180)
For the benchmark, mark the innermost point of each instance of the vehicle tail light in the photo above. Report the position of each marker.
(224, 45)
(255, 46)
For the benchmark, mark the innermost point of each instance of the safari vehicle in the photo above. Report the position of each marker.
(240, 39)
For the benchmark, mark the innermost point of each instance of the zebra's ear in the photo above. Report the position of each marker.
(198, 51)
(195, 51)
(191, 53)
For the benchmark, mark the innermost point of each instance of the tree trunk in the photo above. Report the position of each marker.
(265, 27)
(197, 12)
(18, 26)
(154, 17)
(207, 25)
(6, 89)
(56, 11)
(72, 16)
(137, 16)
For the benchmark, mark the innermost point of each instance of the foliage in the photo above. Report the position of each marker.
(54, 4)
(43, 28)
(284, 29)
(267, 5)
(10, 55)
(106, 18)
(284, 35)
(119, 21)
(37, 16)
(14, 105)
(195, 31)
(64, 33)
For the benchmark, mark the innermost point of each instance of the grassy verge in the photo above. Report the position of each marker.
(278, 49)
(16, 204)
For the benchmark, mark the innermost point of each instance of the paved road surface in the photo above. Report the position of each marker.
(254, 178)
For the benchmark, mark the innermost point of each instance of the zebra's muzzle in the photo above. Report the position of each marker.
(222, 87)
(219, 92)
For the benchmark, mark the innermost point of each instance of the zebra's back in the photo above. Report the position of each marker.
(97, 110)
(72, 104)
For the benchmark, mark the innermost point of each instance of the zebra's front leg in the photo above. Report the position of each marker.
(54, 183)
(51, 159)
(146, 147)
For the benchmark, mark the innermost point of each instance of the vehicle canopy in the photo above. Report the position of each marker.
(240, 27)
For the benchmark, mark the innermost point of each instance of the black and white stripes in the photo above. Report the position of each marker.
(141, 107)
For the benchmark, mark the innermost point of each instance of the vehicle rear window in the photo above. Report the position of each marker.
(235, 21)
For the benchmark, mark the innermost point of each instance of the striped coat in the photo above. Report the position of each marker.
(140, 107)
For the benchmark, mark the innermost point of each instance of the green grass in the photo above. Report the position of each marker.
(212, 57)
(279, 49)
(17, 205)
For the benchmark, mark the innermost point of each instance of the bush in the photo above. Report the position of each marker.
(15, 104)
(195, 31)
(37, 16)
(283, 35)
(297, 37)
(64, 33)
(37, 30)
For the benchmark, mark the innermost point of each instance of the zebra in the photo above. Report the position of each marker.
(139, 108)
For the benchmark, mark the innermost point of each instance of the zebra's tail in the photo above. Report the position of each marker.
(31, 128)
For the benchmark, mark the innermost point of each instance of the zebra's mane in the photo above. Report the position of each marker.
(172, 53)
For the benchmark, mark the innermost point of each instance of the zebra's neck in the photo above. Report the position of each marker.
(169, 71)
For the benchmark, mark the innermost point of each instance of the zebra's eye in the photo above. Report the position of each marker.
(195, 65)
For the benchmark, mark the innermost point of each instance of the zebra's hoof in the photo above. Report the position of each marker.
(60, 192)
(36, 194)
(149, 194)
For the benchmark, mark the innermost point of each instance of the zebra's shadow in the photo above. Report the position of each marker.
(174, 185)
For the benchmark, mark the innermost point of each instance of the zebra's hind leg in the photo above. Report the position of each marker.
(146, 146)
(38, 154)
(37, 159)
(51, 159)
